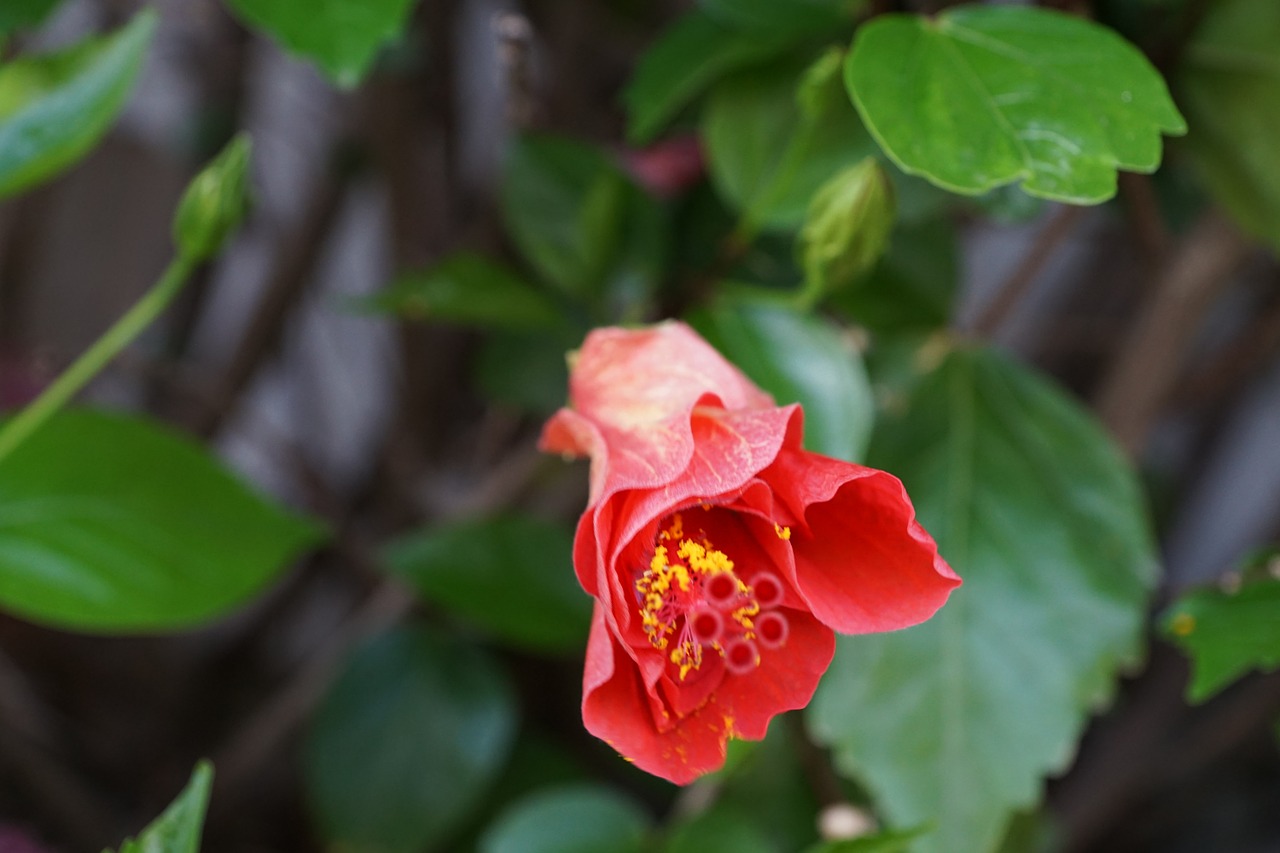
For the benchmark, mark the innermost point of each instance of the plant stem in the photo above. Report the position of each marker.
(19, 428)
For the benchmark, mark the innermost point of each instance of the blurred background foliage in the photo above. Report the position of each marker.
(297, 524)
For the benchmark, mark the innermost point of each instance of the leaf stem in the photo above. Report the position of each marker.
(19, 428)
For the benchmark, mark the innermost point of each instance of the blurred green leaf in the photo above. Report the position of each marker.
(846, 229)
(798, 359)
(980, 96)
(582, 224)
(767, 781)
(721, 829)
(55, 108)
(913, 286)
(215, 202)
(1228, 631)
(1229, 83)
(1043, 519)
(887, 841)
(526, 371)
(20, 14)
(770, 146)
(695, 52)
(574, 819)
(512, 575)
(342, 37)
(799, 17)
(110, 523)
(408, 742)
(178, 829)
(471, 290)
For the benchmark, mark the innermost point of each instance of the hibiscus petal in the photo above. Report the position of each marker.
(863, 562)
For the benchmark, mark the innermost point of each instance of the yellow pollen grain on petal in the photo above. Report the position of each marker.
(784, 533)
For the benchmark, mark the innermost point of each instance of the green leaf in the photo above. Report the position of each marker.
(770, 146)
(526, 371)
(469, 290)
(888, 841)
(1228, 631)
(956, 721)
(690, 56)
(341, 37)
(798, 359)
(846, 229)
(55, 108)
(512, 575)
(1229, 84)
(575, 819)
(215, 202)
(582, 225)
(722, 828)
(981, 96)
(110, 523)
(178, 829)
(408, 742)
(913, 286)
(20, 14)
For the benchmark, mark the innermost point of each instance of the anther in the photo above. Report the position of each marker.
(767, 589)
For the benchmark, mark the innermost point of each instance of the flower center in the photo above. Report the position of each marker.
(691, 600)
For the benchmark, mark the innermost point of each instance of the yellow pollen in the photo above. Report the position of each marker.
(784, 533)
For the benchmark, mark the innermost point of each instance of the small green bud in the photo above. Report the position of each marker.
(847, 228)
(215, 202)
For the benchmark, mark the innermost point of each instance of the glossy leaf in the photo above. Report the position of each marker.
(110, 523)
(178, 829)
(1228, 631)
(408, 742)
(846, 229)
(798, 358)
(215, 202)
(19, 14)
(341, 37)
(1229, 84)
(470, 290)
(55, 108)
(576, 819)
(770, 146)
(582, 225)
(720, 829)
(695, 52)
(513, 576)
(957, 721)
(981, 96)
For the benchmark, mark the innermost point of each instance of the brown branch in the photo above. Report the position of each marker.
(1231, 367)
(1150, 362)
(1015, 287)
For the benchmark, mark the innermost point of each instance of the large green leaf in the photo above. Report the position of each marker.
(721, 828)
(1229, 631)
(111, 523)
(178, 829)
(574, 819)
(582, 224)
(407, 743)
(798, 359)
(511, 575)
(913, 286)
(342, 37)
(16, 14)
(471, 290)
(54, 108)
(770, 146)
(956, 721)
(693, 54)
(980, 96)
(1229, 84)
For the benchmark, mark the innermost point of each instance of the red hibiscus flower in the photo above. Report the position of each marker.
(721, 555)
